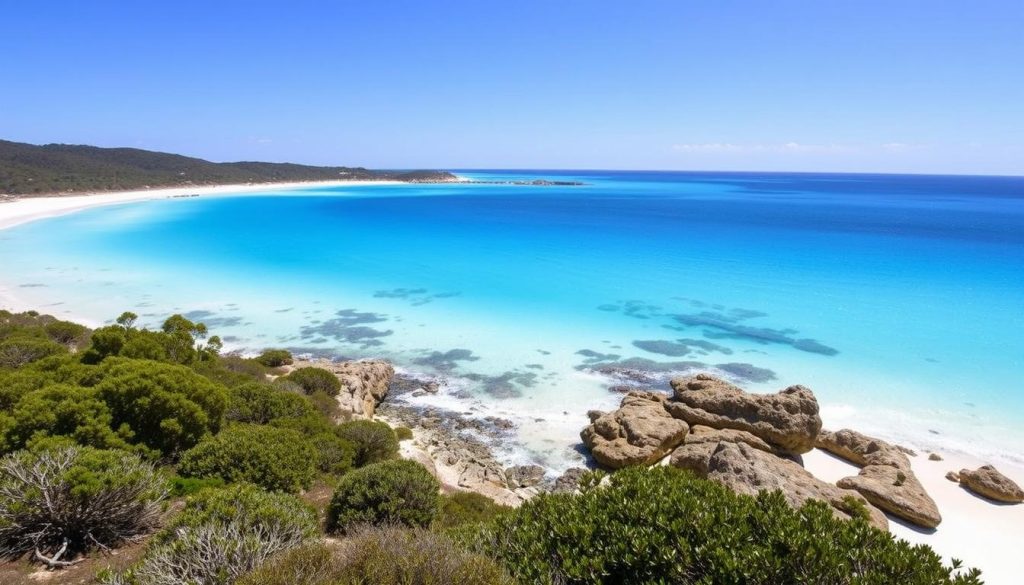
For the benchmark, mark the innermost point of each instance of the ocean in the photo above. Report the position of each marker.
(897, 299)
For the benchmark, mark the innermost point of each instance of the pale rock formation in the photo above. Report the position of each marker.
(788, 420)
(987, 481)
(639, 432)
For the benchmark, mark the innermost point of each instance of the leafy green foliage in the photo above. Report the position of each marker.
(403, 433)
(275, 358)
(220, 535)
(60, 410)
(334, 455)
(664, 525)
(374, 440)
(18, 350)
(390, 492)
(187, 486)
(381, 556)
(262, 403)
(167, 408)
(65, 332)
(315, 380)
(69, 499)
(459, 508)
(273, 458)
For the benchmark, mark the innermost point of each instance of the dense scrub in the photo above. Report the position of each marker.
(313, 380)
(374, 441)
(664, 525)
(272, 458)
(387, 555)
(390, 492)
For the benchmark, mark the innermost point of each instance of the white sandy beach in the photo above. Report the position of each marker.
(983, 534)
(15, 211)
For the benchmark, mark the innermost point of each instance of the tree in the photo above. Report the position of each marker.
(165, 407)
(16, 351)
(57, 503)
(275, 459)
(390, 492)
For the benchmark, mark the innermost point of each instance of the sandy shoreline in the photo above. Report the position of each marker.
(16, 211)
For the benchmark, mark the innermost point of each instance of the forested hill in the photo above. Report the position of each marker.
(27, 169)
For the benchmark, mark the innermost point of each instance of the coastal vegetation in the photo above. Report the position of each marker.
(234, 471)
(27, 169)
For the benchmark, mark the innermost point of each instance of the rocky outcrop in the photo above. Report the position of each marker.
(788, 420)
(987, 481)
(569, 481)
(885, 479)
(701, 442)
(639, 432)
(748, 470)
(363, 385)
(520, 476)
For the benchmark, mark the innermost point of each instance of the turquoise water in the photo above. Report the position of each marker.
(897, 299)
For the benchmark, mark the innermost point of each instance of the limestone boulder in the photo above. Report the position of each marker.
(700, 443)
(521, 476)
(640, 432)
(987, 481)
(885, 479)
(787, 420)
(364, 384)
(748, 470)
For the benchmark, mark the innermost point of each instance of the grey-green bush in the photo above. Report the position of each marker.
(315, 380)
(273, 458)
(374, 440)
(389, 492)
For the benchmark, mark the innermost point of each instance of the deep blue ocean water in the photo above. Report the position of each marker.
(897, 299)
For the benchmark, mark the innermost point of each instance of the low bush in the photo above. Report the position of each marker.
(386, 555)
(390, 492)
(65, 332)
(334, 454)
(60, 410)
(56, 503)
(664, 525)
(16, 351)
(374, 440)
(403, 433)
(275, 358)
(273, 458)
(261, 403)
(461, 508)
(219, 536)
(187, 486)
(315, 380)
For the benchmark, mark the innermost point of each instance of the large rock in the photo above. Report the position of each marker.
(885, 479)
(520, 476)
(640, 432)
(748, 470)
(787, 420)
(988, 482)
(701, 442)
(363, 385)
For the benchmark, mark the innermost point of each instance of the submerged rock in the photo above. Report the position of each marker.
(748, 470)
(639, 432)
(987, 481)
(788, 420)
(885, 479)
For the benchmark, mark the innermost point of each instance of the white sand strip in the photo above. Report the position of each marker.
(983, 534)
(25, 209)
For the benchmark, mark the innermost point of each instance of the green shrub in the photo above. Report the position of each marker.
(73, 499)
(403, 433)
(381, 556)
(231, 370)
(398, 492)
(65, 332)
(315, 380)
(165, 407)
(663, 525)
(326, 405)
(275, 358)
(262, 403)
(187, 486)
(221, 535)
(60, 410)
(273, 458)
(374, 440)
(459, 508)
(334, 454)
(16, 351)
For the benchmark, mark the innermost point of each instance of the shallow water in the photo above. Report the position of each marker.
(897, 299)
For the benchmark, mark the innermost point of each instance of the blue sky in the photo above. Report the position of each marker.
(928, 86)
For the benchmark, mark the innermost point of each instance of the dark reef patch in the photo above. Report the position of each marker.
(535, 366)
(680, 347)
(32, 285)
(349, 326)
(197, 315)
(748, 372)
(446, 361)
(415, 296)
(632, 308)
(719, 325)
(596, 356)
(504, 385)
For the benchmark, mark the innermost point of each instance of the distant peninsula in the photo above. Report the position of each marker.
(29, 169)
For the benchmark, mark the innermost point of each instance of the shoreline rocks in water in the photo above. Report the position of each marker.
(885, 479)
(988, 482)
(640, 432)
(787, 420)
